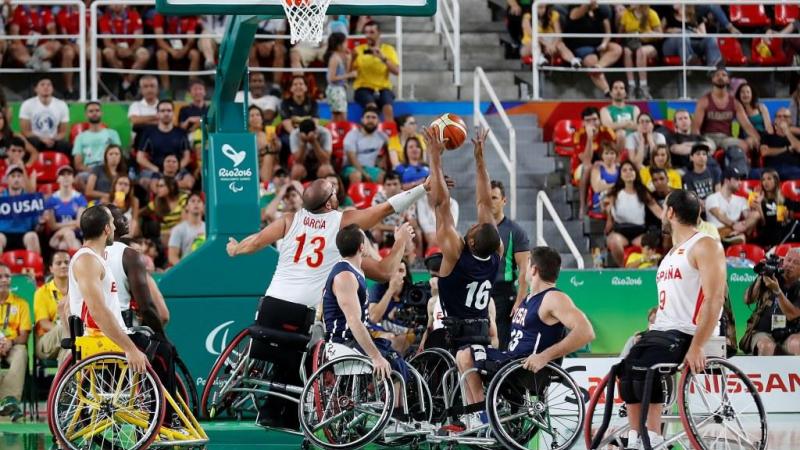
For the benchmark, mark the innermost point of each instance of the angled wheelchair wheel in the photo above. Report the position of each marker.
(618, 426)
(432, 364)
(63, 368)
(420, 409)
(721, 409)
(344, 406)
(541, 410)
(187, 386)
(229, 391)
(100, 404)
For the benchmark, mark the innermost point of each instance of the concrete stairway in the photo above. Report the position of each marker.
(428, 63)
(536, 171)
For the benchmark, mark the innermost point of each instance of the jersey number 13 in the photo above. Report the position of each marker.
(313, 260)
(479, 295)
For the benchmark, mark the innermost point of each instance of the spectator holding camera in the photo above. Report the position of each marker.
(311, 147)
(385, 301)
(774, 324)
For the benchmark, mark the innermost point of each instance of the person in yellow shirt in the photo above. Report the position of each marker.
(649, 256)
(660, 158)
(407, 126)
(373, 62)
(549, 46)
(15, 325)
(49, 329)
(639, 19)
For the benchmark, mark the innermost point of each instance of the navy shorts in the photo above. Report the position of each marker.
(583, 52)
(385, 348)
(490, 359)
(365, 96)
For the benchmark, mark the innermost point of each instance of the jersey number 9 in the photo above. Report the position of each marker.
(481, 298)
(313, 260)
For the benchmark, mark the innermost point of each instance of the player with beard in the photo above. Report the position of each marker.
(691, 291)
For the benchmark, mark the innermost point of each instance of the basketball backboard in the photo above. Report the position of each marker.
(275, 8)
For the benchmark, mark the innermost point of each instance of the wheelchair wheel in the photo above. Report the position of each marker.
(187, 386)
(100, 404)
(721, 409)
(618, 427)
(51, 395)
(544, 409)
(420, 409)
(344, 406)
(432, 364)
(227, 391)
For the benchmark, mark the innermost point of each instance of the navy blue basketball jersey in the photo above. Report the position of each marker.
(335, 320)
(528, 333)
(465, 293)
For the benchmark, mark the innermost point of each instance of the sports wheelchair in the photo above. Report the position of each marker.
(96, 402)
(713, 410)
(245, 374)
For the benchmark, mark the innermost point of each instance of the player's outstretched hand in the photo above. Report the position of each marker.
(695, 359)
(433, 140)
(404, 233)
(137, 361)
(231, 247)
(479, 140)
(381, 367)
(535, 362)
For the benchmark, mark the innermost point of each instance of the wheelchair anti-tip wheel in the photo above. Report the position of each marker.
(543, 409)
(229, 390)
(100, 404)
(721, 409)
(432, 364)
(344, 405)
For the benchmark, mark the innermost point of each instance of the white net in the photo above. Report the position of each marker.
(306, 19)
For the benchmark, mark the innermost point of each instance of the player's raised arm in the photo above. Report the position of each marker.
(257, 241)
(483, 187)
(382, 270)
(446, 235)
(709, 258)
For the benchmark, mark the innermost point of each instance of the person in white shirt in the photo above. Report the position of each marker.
(729, 212)
(144, 112)
(44, 118)
(426, 218)
(260, 97)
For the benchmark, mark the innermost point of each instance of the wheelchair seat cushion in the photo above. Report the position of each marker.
(282, 315)
(284, 340)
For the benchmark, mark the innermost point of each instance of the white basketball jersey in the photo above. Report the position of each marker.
(307, 254)
(113, 256)
(438, 314)
(77, 306)
(680, 294)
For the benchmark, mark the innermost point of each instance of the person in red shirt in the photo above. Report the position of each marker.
(124, 53)
(68, 21)
(172, 49)
(587, 141)
(33, 53)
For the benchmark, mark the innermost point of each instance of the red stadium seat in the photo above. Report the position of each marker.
(731, 50)
(673, 60)
(527, 60)
(562, 136)
(791, 189)
(24, 261)
(627, 252)
(79, 128)
(752, 252)
(750, 16)
(776, 58)
(338, 131)
(47, 165)
(389, 128)
(786, 14)
(783, 249)
(748, 186)
(363, 193)
(666, 123)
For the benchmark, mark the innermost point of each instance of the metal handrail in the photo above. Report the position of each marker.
(683, 68)
(81, 69)
(449, 13)
(509, 161)
(543, 201)
(95, 35)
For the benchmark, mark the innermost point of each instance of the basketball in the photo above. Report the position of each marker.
(452, 128)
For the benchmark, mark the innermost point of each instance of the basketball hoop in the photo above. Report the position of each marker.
(306, 19)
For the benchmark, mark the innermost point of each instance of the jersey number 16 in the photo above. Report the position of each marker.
(481, 298)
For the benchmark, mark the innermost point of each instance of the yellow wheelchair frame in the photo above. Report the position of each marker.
(84, 408)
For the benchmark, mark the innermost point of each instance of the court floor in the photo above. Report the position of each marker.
(784, 434)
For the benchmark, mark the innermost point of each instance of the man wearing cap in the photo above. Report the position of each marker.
(702, 179)
(18, 231)
(728, 211)
(716, 111)
(510, 288)
(63, 211)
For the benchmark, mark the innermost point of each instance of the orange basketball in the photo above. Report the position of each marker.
(451, 127)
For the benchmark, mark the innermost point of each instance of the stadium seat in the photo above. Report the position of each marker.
(338, 131)
(786, 14)
(752, 252)
(748, 186)
(24, 261)
(389, 128)
(791, 189)
(777, 56)
(673, 60)
(783, 249)
(627, 252)
(731, 50)
(47, 165)
(363, 193)
(562, 136)
(749, 16)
